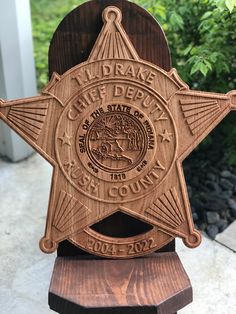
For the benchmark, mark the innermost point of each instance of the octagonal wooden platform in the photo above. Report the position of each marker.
(154, 284)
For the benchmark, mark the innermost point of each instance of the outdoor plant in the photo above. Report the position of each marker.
(46, 15)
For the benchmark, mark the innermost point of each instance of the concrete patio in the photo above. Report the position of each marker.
(25, 272)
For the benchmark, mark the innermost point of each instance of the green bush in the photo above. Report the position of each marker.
(201, 35)
(202, 39)
(46, 15)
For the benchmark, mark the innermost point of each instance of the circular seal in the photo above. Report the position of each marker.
(117, 135)
(116, 142)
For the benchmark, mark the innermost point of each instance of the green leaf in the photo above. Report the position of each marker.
(199, 66)
(213, 57)
(187, 50)
(193, 59)
(203, 68)
(230, 5)
(208, 64)
(206, 15)
(177, 20)
(195, 68)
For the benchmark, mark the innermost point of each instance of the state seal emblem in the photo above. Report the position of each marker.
(116, 130)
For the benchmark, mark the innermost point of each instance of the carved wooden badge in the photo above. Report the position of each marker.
(116, 130)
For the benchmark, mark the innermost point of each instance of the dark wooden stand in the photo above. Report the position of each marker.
(81, 283)
(153, 284)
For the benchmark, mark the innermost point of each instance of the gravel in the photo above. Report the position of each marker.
(212, 190)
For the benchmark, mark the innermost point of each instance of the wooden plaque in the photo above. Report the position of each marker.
(116, 129)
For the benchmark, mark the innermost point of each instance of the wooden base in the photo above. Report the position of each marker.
(154, 284)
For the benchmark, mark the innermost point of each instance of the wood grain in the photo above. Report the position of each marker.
(116, 129)
(76, 35)
(72, 43)
(155, 284)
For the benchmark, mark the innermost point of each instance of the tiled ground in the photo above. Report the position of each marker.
(25, 272)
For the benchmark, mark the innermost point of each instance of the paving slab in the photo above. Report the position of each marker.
(212, 270)
(228, 237)
(25, 272)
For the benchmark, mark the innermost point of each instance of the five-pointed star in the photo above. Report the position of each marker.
(166, 136)
(194, 114)
(66, 139)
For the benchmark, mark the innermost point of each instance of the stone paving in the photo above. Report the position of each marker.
(25, 272)
(228, 237)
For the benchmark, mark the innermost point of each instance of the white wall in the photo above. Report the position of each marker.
(17, 71)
